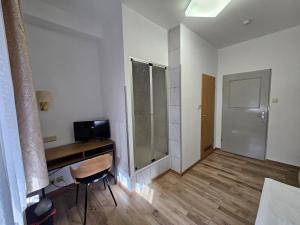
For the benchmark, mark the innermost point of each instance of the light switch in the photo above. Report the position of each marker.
(274, 100)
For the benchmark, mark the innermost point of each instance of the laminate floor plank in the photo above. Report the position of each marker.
(223, 189)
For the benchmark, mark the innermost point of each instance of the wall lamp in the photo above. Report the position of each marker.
(43, 98)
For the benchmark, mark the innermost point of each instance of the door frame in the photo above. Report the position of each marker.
(204, 154)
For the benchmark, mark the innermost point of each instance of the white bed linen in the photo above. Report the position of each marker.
(279, 204)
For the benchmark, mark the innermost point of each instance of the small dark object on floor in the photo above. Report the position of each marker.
(41, 213)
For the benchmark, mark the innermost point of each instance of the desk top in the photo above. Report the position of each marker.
(75, 148)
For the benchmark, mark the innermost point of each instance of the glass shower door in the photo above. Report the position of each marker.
(150, 113)
(142, 114)
(160, 113)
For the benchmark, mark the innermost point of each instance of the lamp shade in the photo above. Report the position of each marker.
(44, 96)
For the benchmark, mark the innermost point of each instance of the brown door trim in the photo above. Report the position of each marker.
(207, 115)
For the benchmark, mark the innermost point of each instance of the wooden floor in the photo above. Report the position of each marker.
(222, 189)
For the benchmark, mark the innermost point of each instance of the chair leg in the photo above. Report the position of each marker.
(104, 183)
(77, 189)
(112, 195)
(85, 205)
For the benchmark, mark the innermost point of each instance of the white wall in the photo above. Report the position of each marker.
(42, 12)
(280, 52)
(85, 75)
(113, 79)
(145, 40)
(197, 57)
(68, 67)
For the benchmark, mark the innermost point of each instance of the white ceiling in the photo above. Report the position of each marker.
(88, 9)
(226, 29)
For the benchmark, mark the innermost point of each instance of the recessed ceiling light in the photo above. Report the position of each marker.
(247, 22)
(205, 8)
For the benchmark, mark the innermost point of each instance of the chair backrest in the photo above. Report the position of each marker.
(92, 166)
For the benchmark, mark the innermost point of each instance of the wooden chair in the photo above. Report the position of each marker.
(90, 171)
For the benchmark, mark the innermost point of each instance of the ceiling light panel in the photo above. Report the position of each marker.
(205, 8)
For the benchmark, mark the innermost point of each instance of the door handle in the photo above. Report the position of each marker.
(261, 115)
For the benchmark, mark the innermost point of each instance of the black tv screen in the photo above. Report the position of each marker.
(89, 130)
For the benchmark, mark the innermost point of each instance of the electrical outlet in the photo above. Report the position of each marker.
(59, 179)
(49, 139)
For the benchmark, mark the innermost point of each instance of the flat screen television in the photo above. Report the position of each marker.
(91, 130)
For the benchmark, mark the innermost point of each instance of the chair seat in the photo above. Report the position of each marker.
(92, 166)
(90, 179)
(90, 170)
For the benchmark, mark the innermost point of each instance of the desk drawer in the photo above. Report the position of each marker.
(64, 161)
(99, 151)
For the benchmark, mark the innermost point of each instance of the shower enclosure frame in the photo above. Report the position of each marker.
(151, 64)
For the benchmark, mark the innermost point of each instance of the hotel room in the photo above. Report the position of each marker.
(130, 112)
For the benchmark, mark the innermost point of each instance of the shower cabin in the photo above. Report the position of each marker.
(150, 112)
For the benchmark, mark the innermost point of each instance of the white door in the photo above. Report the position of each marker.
(245, 113)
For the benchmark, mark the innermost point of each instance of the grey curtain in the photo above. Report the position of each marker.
(12, 184)
(27, 112)
(6, 210)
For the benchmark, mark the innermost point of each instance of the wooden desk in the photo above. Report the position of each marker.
(66, 155)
